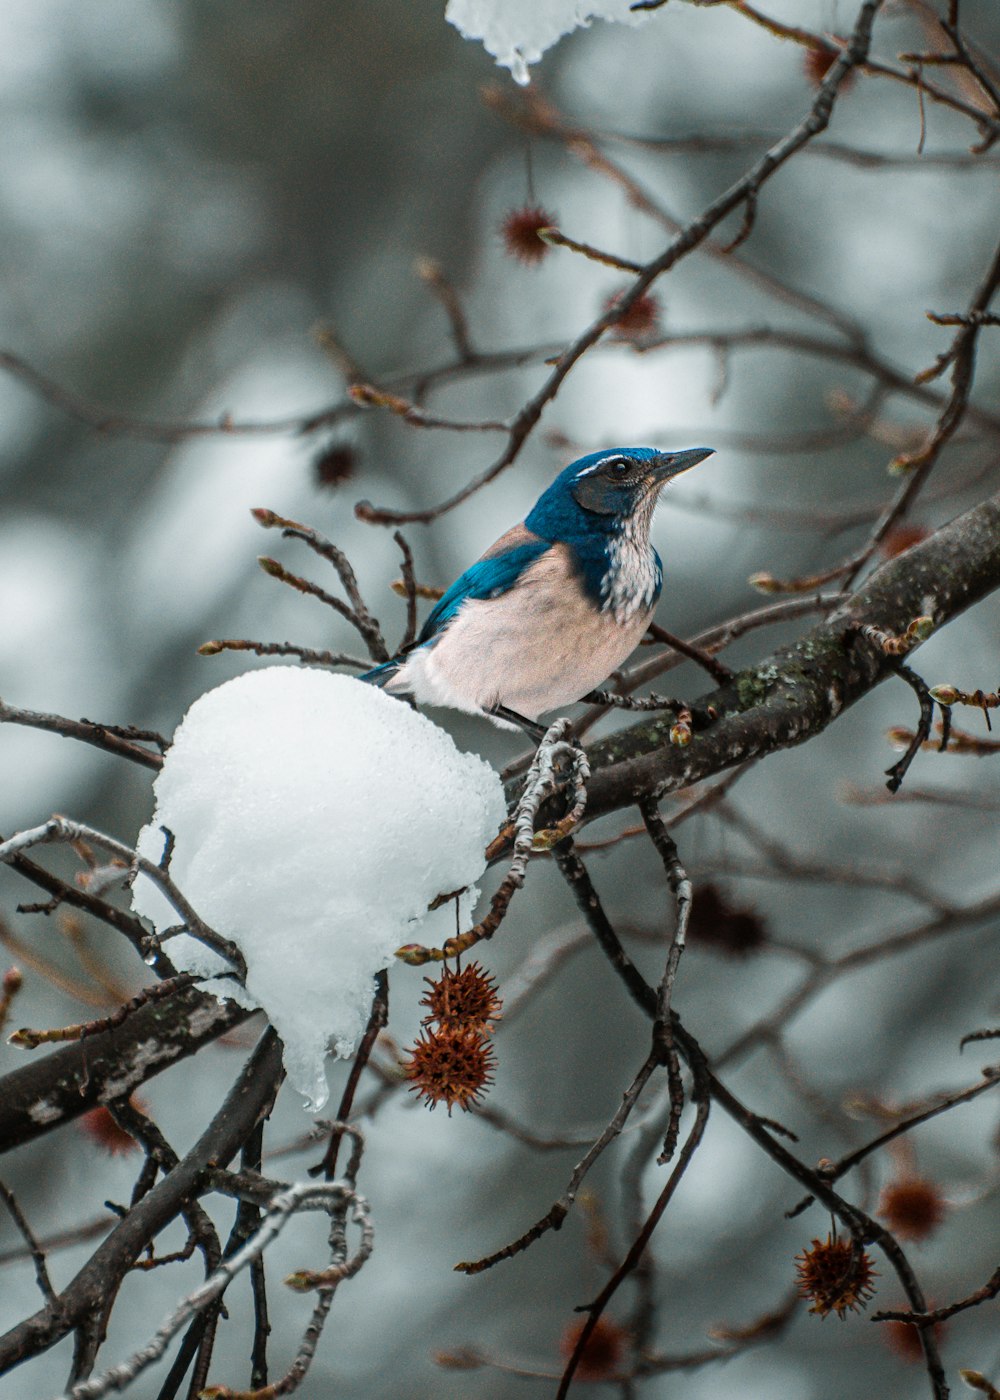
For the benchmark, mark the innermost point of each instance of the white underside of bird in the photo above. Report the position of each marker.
(537, 647)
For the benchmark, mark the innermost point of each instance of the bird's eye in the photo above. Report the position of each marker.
(618, 468)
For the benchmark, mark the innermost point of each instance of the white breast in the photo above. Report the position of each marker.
(541, 646)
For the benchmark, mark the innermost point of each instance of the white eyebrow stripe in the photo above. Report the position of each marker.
(612, 457)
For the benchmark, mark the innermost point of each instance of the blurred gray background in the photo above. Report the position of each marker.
(186, 192)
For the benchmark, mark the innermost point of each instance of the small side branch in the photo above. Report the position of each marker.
(59, 829)
(663, 1040)
(307, 655)
(122, 740)
(409, 588)
(898, 771)
(597, 1307)
(990, 1289)
(31, 1241)
(28, 1039)
(542, 782)
(303, 1196)
(357, 613)
(588, 901)
(553, 1218)
(378, 1019)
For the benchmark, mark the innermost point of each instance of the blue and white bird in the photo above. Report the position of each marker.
(556, 604)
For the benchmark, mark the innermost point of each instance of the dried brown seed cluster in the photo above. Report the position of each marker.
(335, 464)
(913, 1207)
(105, 1132)
(604, 1351)
(835, 1276)
(715, 923)
(519, 231)
(467, 995)
(452, 1061)
(641, 320)
(451, 1064)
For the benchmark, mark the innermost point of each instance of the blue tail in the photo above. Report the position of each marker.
(379, 675)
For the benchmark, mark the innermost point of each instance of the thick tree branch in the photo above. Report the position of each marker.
(250, 1097)
(54, 1089)
(793, 694)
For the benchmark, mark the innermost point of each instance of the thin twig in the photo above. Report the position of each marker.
(32, 1245)
(303, 1196)
(597, 1307)
(124, 742)
(410, 588)
(59, 828)
(542, 782)
(554, 1217)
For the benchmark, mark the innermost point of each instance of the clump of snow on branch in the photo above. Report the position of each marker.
(314, 819)
(517, 32)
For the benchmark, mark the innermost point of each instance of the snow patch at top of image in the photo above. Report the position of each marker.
(314, 819)
(518, 32)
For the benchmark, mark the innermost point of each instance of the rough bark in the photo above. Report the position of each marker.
(796, 692)
(99, 1279)
(54, 1088)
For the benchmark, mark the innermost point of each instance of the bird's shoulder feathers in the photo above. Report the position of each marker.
(494, 573)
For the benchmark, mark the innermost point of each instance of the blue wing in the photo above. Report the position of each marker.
(497, 571)
(487, 578)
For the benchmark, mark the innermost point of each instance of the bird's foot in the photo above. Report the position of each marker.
(560, 766)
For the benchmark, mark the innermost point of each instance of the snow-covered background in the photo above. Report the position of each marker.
(185, 192)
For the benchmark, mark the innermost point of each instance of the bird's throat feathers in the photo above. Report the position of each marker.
(633, 576)
(617, 566)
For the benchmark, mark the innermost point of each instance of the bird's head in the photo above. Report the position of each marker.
(607, 491)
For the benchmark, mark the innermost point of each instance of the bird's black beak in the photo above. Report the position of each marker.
(671, 464)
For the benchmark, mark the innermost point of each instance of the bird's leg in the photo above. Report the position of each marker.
(561, 764)
(534, 731)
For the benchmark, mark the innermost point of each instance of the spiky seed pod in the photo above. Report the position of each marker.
(468, 996)
(817, 62)
(102, 1129)
(913, 1207)
(835, 1276)
(715, 923)
(519, 230)
(450, 1064)
(640, 321)
(604, 1352)
(334, 464)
